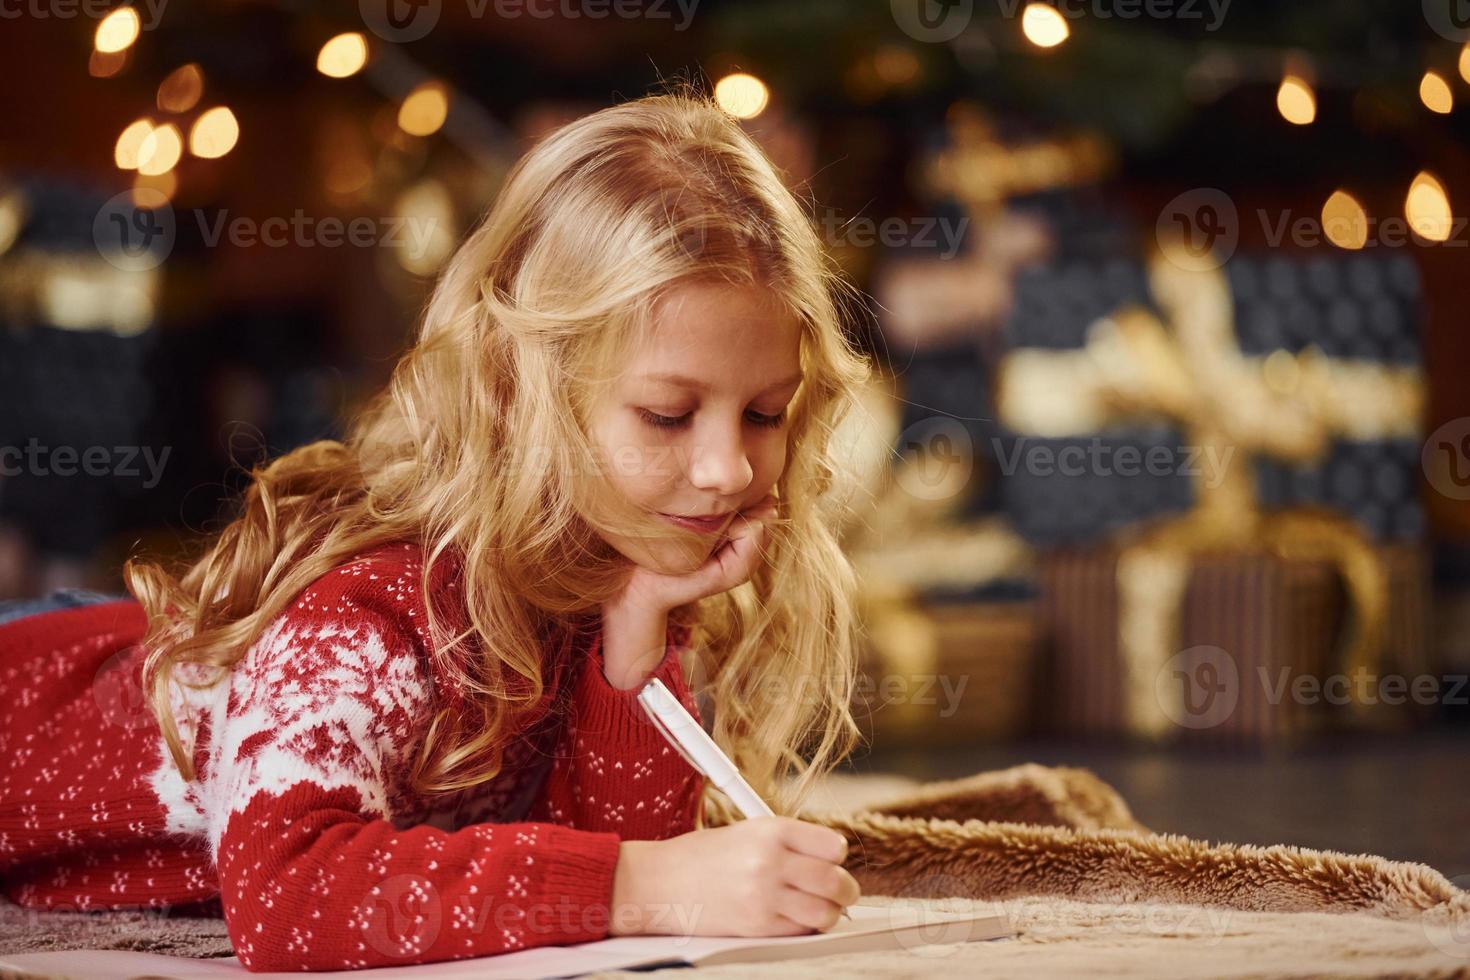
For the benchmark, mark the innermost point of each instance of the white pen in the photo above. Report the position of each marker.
(689, 739)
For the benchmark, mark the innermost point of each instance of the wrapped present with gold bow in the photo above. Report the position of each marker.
(1184, 617)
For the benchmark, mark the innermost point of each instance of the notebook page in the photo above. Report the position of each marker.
(871, 927)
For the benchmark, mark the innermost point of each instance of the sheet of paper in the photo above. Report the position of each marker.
(531, 964)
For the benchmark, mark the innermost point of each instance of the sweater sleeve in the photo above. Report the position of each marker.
(614, 771)
(305, 772)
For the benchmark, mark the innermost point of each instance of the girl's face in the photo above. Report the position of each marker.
(694, 426)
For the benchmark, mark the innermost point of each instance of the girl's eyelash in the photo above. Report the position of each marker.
(676, 421)
(769, 421)
(663, 421)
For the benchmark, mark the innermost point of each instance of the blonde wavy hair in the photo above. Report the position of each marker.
(477, 449)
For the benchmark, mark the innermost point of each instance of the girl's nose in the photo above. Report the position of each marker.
(719, 464)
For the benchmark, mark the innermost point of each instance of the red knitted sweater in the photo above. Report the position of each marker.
(302, 821)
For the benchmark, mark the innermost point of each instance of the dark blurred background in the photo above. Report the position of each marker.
(1166, 470)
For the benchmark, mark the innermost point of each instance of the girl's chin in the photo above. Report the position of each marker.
(673, 560)
(666, 557)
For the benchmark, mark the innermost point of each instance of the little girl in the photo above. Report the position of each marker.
(390, 713)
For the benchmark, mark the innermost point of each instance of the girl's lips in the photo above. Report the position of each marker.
(704, 525)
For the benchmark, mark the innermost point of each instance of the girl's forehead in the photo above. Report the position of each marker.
(725, 323)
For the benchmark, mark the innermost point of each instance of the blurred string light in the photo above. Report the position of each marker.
(126, 152)
(891, 67)
(1345, 221)
(425, 110)
(105, 64)
(80, 294)
(1296, 101)
(118, 30)
(150, 190)
(742, 95)
(160, 150)
(182, 89)
(1435, 93)
(347, 176)
(1427, 207)
(896, 64)
(428, 213)
(1044, 25)
(214, 133)
(342, 56)
(1465, 62)
(12, 218)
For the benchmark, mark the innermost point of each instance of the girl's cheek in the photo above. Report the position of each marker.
(646, 472)
(773, 463)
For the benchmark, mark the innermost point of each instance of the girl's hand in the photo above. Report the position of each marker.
(635, 624)
(768, 876)
(732, 564)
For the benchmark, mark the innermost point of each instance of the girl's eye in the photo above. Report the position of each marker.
(769, 421)
(678, 421)
(663, 421)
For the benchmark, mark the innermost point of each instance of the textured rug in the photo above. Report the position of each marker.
(1085, 887)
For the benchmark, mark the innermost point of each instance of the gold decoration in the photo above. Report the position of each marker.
(982, 172)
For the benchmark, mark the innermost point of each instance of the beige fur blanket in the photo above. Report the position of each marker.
(1086, 888)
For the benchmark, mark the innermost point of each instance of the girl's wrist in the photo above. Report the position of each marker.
(634, 639)
(629, 903)
(634, 603)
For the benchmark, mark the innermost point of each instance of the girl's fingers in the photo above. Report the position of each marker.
(762, 509)
(733, 562)
(810, 910)
(823, 879)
